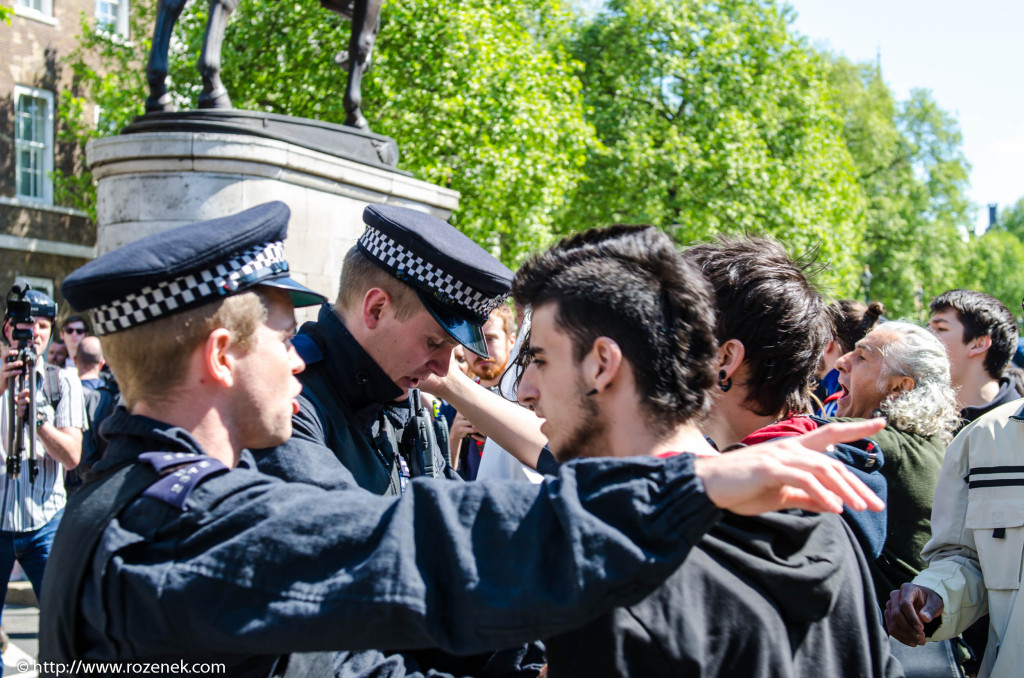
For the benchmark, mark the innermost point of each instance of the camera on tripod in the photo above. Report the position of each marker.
(24, 305)
(20, 312)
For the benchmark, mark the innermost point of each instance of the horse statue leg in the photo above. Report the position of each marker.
(167, 13)
(365, 23)
(214, 94)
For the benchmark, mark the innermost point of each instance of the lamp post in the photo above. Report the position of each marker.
(865, 280)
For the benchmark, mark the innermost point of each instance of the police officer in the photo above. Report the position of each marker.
(411, 289)
(177, 549)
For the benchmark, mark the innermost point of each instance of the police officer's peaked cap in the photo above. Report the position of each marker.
(458, 282)
(176, 270)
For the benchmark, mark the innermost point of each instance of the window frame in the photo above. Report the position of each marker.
(46, 196)
(120, 24)
(26, 9)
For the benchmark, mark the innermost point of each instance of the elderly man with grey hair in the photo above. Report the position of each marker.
(901, 371)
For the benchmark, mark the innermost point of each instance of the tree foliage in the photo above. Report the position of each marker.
(913, 176)
(993, 265)
(713, 117)
(1011, 219)
(699, 117)
(479, 95)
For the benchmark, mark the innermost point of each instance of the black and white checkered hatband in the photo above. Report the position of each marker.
(425, 276)
(193, 289)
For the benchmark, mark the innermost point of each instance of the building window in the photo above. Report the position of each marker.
(33, 143)
(112, 16)
(36, 7)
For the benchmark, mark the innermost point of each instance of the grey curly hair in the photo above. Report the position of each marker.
(930, 407)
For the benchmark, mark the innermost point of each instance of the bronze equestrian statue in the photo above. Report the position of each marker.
(365, 18)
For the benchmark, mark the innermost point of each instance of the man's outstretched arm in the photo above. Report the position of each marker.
(790, 473)
(469, 566)
(515, 428)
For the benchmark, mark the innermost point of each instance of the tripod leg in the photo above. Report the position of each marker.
(30, 415)
(12, 424)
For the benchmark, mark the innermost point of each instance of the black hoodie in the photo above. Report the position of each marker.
(781, 594)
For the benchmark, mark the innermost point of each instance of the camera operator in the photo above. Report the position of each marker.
(32, 494)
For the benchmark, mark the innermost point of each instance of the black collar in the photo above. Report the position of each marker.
(132, 434)
(350, 370)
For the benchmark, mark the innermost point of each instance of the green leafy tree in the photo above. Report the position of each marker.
(714, 117)
(993, 266)
(1012, 219)
(913, 176)
(479, 95)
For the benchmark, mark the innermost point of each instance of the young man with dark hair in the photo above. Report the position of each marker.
(626, 369)
(772, 329)
(179, 549)
(980, 336)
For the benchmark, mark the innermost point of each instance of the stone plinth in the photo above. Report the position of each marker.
(149, 182)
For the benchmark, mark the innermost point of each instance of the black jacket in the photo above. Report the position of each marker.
(784, 595)
(342, 411)
(1007, 394)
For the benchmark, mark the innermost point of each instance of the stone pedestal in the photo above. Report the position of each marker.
(151, 181)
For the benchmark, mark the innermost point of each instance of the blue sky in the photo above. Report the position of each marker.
(970, 55)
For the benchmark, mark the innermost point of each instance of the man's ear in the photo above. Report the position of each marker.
(218, 358)
(979, 345)
(374, 302)
(833, 349)
(898, 385)
(602, 364)
(730, 356)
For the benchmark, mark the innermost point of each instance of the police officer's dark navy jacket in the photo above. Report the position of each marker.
(341, 422)
(246, 567)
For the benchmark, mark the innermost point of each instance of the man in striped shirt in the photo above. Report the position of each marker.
(32, 502)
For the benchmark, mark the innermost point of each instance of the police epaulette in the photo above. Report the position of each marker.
(175, 486)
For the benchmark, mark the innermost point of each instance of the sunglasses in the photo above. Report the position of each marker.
(75, 330)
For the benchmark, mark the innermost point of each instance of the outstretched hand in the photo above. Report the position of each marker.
(908, 609)
(790, 473)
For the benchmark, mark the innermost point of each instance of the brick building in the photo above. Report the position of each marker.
(39, 239)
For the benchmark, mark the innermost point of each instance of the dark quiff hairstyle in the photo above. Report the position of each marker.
(982, 314)
(765, 300)
(853, 320)
(630, 284)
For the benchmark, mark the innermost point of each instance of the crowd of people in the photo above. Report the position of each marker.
(335, 499)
